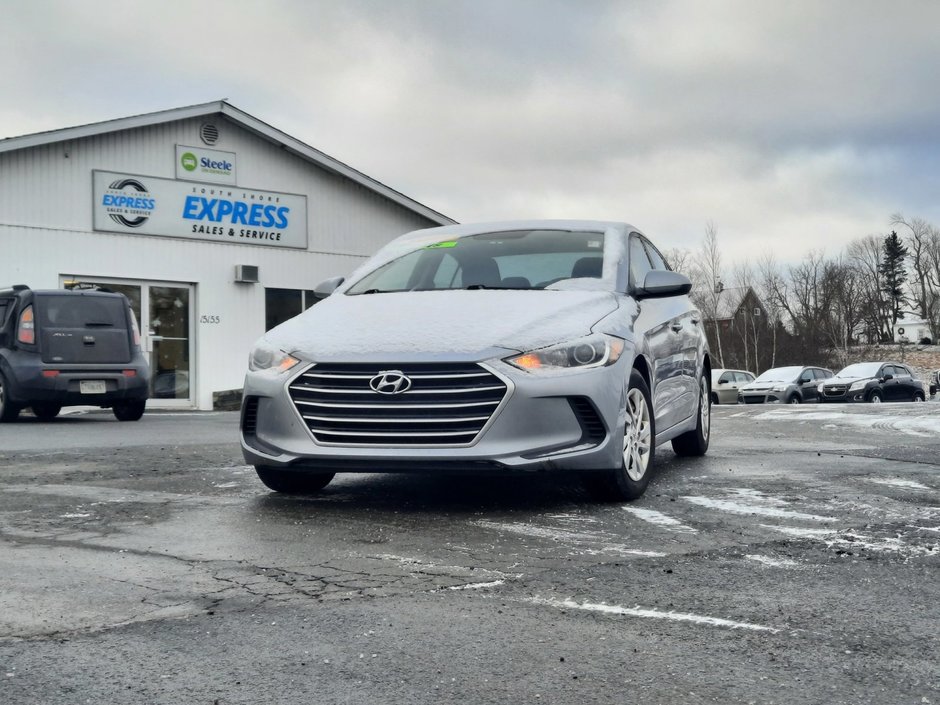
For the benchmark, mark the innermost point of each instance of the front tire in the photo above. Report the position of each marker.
(794, 399)
(875, 398)
(129, 410)
(46, 412)
(918, 397)
(695, 442)
(293, 481)
(629, 480)
(8, 410)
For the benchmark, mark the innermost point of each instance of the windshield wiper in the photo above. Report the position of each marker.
(475, 287)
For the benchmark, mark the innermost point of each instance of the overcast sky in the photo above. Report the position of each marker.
(789, 125)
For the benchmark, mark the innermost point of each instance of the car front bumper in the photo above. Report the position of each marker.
(546, 421)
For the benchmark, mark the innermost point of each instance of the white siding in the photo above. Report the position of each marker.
(46, 216)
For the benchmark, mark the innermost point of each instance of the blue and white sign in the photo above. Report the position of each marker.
(198, 164)
(147, 205)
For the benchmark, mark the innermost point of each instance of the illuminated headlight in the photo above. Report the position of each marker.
(267, 357)
(856, 386)
(593, 351)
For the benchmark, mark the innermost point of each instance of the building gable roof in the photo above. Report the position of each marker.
(248, 122)
(730, 300)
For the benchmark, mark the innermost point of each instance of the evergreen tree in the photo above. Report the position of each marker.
(893, 273)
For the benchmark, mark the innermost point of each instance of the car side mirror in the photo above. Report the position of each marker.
(887, 377)
(804, 380)
(325, 288)
(661, 283)
(722, 381)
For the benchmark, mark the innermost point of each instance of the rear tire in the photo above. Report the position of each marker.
(8, 410)
(129, 410)
(46, 412)
(293, 481)
(629, 480)
(695, 442)
(918, 397)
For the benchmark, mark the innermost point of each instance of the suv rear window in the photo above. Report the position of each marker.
(81, 311)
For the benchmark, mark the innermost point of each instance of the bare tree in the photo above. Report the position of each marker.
(865, 254)
(922, 239)
(708, 266)
(772, 289)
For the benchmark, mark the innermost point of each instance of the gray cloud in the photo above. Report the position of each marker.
(787, 124)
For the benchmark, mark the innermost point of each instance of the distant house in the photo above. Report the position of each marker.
(911, 330)
(739, 318)
(735, 305)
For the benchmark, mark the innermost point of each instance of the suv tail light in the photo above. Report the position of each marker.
(135, 328)
(26, 332)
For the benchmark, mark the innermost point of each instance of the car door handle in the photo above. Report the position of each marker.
(676, 327)
(694, 321)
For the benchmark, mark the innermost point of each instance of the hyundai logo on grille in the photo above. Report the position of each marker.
(390, 382)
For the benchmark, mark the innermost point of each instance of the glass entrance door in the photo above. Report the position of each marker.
(165, 314)
(168, 330)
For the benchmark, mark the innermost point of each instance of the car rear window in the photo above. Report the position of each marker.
(81, 311)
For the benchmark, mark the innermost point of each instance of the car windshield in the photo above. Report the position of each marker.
(860, 369)
(518, 259)
(780, 374)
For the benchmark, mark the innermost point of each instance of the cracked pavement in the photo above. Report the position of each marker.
(796, 563)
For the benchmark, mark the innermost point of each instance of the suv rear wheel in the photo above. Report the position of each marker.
(129, 410)
(46, 412)
(8, 410)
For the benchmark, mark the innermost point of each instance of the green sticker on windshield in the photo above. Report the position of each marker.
(441, 245)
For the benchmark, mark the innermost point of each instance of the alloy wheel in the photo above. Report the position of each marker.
(637, 438)
(704, 408)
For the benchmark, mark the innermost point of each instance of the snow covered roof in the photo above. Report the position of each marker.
(252, 124)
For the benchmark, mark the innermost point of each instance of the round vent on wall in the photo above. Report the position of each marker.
(209, 133)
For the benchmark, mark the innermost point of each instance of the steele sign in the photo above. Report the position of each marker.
(197, 164)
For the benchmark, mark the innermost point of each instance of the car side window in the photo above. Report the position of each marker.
(901, 371)
(726, 377)
(639, 262)
(742, 377)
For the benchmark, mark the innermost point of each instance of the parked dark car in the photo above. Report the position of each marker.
(784, 385)
(61, 347)
(934, 382)
(873, 382)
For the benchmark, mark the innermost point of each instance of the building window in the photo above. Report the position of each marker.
(282, 304)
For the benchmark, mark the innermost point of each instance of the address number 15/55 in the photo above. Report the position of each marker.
(210, 318)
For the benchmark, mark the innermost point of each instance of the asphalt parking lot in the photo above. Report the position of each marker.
(796, 563)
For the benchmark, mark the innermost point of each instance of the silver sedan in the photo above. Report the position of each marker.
(526, 346)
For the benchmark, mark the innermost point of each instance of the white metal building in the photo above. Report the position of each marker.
(215, 224)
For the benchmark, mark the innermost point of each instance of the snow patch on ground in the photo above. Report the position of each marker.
(660, 519)
(922, 426)
(651, 614)
(733, 507)
(596, 542)
(893, 482)
(773, 562)
(850, 542)
(477, 586)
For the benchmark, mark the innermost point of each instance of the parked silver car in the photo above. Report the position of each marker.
(785, 385)
(726, 383)
(543, 345)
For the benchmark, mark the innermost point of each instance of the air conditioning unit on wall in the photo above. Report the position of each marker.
(246, 273)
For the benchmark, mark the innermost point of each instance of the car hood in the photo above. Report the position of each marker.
(845, 380)
(763, 385)
(464, 323)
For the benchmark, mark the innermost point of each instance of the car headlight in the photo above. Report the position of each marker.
(858, 385)
(593, 351)
(267, 357)
(819, 387)
(780, 388)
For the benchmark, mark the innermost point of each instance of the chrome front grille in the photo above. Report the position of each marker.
(835, 390)
(446, 404)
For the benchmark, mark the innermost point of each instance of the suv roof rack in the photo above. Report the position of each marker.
(14, 289)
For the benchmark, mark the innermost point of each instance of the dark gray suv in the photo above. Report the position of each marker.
(63, 347)
(784, 385)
